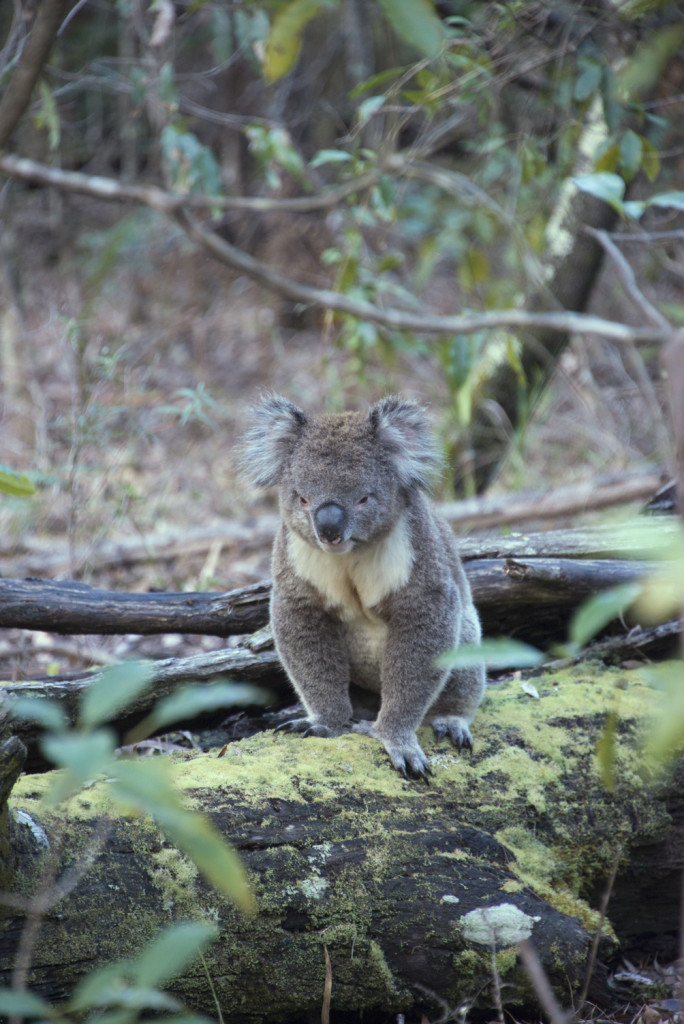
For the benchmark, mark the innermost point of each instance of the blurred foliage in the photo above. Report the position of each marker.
(15, 483)
(84, 753)
(489, 105)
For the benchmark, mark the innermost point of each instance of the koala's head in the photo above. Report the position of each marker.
(344, 480)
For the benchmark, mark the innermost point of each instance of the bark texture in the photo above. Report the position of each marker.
(549, 572)
(344, 854)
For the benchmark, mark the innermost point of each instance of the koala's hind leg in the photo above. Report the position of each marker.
(453, 712)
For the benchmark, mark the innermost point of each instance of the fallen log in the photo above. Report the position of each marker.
(488, 511)
(554, 571)
(504, 590)
(68, 606)
(255, 662)
(36, 556)
(346, 856)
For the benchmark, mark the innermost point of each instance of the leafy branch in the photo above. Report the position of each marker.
(177, 206)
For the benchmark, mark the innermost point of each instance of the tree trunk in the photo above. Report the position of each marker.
(344, 854)
(574, 258)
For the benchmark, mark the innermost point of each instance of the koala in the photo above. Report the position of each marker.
(368, 587)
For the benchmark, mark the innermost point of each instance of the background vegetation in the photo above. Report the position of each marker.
(416, 159)
(478, 204)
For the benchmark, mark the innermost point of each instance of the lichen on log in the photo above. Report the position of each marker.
(344, 853)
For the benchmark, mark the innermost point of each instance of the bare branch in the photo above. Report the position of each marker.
(38, 45)
(422, 323)
(176, 206)
(627, 278)
(168, 202)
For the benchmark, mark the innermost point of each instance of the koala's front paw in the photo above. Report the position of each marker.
(405, 752)
(455, 727)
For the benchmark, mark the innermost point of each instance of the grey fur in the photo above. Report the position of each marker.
(368, 587)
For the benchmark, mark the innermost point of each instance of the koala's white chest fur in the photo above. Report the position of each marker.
(353, 584)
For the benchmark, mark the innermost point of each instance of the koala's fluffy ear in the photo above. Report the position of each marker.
(276, 429)
(403, 428)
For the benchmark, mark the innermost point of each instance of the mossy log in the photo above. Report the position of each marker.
(343, 853)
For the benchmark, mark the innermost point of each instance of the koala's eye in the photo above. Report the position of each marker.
(304, 502)
(364, 500)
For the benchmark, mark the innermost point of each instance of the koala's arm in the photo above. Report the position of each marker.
(417, 634)
(310, 648)
(424, 619)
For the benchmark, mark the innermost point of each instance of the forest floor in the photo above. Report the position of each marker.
(129, 362)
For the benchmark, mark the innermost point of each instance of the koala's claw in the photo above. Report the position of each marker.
(309, 728)
(456, 728)
(323, 731)
(293, 725)
(405, 754)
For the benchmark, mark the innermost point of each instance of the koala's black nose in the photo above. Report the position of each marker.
(330, 521)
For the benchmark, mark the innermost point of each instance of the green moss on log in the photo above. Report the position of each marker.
(338, 845)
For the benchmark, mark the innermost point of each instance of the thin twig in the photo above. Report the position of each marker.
(327, 988)
(496, 987)
(633, 292)
(540, 982)
(680, 965)
(628, 279)
(599, 931)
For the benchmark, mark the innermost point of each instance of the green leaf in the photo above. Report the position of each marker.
(609, 160)
(222, 43)
(474, 269)
(194, 700)
(589, 81)
(82, 757)
(650, 159)
(46, 713)
(631, 151)
(665, 738)
(368, 108)
(170, 952)
(96, 987)
(134, 997)
(417, 22)
(603, 185)
(168, 92)
(114, 986)
(15, 483)
(599, 610)
(663, 590)
(49, 115)
(371, 84)
(633, 208)
(674, 311)
(16, 1003)
(612, 108)
(118, 687)
(145, 785)
(498, 653)
(284, 39)
(672, 200)
(190, 165)
(329, 156)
